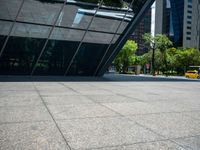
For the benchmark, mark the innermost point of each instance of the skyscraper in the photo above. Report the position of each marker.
(191, 34)
(180, 20)
(169, 19)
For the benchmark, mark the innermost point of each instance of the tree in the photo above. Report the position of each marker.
(187, 57)
(163, 43)
(159, 42)
(171, 59)
(150, 41)
(126, 56)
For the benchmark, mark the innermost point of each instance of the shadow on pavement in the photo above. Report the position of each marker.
(105, 78)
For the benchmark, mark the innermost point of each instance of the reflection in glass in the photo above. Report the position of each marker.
(108, 20)
(58, 52)
(75, 16)
(90, 53)
(109, 49)
(23, 48)
(9, 8)
(4, 30)
(39, 12)
(28, 39)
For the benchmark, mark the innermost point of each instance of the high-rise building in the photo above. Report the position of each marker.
(143, 27)
(65, 37)
(169, 19)
(191, 34)
(180, 20)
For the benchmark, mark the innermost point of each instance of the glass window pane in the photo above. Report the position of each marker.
(96, 37)
(105, 20)
(4, 30)
(108, 20)
(23, 47)
(59, 51)
(110, 50)
(90, 53)
(9, 9)
(76, 16)
(29, 30)
(39, 12)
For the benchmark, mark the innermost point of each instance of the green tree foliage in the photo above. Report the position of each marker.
(158, 46)
(178, 59)
(187, 57)
(163, 43)
(126, 56)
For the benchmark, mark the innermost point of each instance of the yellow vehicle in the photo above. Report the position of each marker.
(192, 74)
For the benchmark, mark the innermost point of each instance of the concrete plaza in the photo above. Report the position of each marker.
(99, 114)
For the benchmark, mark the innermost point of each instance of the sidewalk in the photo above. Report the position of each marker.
(99, 115)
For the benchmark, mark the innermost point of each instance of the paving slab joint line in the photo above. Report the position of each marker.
(96, 117)
(192, 115)
(137, 99)
(70, 88)
(171, 140)
(140, 124)
(129, 144)
(172, 112)
(19, 122)
(52, 118)
(185, 137)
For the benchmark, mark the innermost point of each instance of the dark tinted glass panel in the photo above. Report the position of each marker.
(122, 26)
(23, 48)
(110, 50)
(9, 9)
(4, 30)
(76, 16)
(108, 20)
(58, 52)
(90, 53)
(39, 12)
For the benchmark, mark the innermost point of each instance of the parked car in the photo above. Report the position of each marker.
(192, 74)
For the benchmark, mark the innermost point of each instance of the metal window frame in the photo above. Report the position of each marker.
(80, 43)
(98, 66)
(126, 34)
(48, 37)
(11, 28)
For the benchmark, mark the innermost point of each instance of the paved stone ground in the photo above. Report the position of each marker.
(99, 115)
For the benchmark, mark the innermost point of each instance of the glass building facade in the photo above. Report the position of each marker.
(177, 17)
(57, 37)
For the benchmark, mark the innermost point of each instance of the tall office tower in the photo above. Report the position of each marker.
(179, 20)
(159, 18)
(191, 31)
(169, 19)
(143, 27)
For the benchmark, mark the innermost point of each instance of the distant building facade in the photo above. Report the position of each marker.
(143, 27)
(179, 20)
(191, 34)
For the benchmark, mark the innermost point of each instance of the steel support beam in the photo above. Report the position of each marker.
(125, 36)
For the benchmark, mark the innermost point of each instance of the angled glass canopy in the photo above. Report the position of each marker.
(71, 37)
